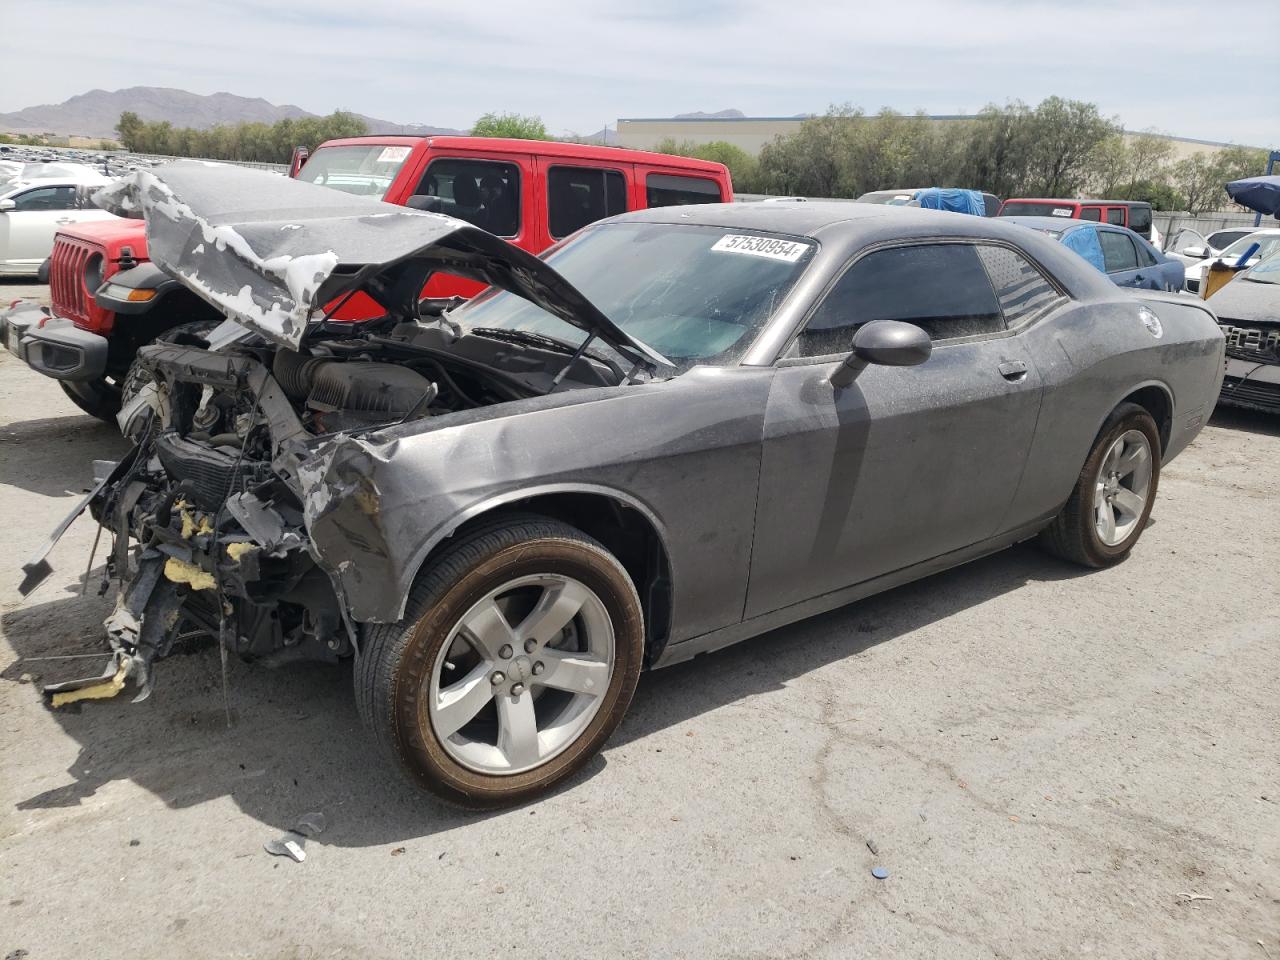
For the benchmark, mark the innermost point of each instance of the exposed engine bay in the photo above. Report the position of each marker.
(207, 513)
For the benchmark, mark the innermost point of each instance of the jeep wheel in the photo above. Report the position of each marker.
(98, 398)
(518, 655)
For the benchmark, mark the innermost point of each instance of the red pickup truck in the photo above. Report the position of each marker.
(108, 300)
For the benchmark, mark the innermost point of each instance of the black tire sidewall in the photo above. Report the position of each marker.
(416, 743)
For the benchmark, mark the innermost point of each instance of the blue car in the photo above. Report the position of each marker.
(1125, 257)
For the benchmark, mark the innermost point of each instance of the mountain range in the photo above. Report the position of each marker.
(94, 114)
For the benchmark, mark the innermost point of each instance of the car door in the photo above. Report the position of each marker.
(1187, 246)
(908, 463)
(37, 214)
(1120, 258)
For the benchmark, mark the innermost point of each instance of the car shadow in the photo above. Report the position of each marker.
(295, 742)
(1246, 421)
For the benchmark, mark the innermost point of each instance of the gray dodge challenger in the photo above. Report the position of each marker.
(679, 428)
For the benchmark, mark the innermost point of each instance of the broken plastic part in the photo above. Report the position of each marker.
(105, 687)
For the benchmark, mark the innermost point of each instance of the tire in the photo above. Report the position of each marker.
(98, 398)
(1080, 533)
(530, 570)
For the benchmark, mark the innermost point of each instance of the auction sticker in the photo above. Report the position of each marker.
(771, 247)
(393, 154)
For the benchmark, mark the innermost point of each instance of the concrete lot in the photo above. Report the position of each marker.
(1050, 763)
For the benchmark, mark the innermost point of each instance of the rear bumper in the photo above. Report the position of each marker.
(1255, 386)
(52, 345)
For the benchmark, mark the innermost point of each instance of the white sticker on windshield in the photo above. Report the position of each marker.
(393, 154)
(774, 249)
(1062, 211)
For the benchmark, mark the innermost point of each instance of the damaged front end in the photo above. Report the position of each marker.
(210, 515)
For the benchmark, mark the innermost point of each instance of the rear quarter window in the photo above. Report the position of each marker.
(1023, 292)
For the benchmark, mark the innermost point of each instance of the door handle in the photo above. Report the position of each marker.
(1013, 370)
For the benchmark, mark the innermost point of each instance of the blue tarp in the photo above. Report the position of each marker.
(1085, 242)
(1257, 193)
(957, 201)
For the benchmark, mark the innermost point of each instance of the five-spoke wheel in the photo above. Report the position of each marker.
(519, 652)
(1112, 499)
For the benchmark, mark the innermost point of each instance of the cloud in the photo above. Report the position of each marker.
(1170, 65)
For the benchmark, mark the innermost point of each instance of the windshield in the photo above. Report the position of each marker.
(365, 170)
(1269, 244)
(695, 294)
(1268, 271)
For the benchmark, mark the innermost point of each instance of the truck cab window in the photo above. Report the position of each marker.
(485, 193)
(665, 190)
(577, 196)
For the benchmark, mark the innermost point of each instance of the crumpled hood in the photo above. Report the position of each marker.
(271, 252)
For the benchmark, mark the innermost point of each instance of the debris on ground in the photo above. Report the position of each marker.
(293, 843)
(397, 851)
(871, 845)
(1189, 897)
(880, 873)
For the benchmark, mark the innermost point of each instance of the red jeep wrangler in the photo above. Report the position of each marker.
(108, 300)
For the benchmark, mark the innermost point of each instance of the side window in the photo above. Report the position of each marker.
(1140, 220)
(46, 198)
(1117, 251)
(941, 287)
(1091, 213)
(482, 192)
(1145, 257)
(577, 196)
(666, 190)
(1115, 216)
(1021, 289)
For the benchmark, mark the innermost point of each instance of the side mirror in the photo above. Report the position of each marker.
(422, 201)
(7, 204)
(889, 343)
(1198, 252)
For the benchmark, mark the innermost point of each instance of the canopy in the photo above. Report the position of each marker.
(957, 201)
(1257, 193)
(1085, 242)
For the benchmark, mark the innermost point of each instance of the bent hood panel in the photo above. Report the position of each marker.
(270, 251)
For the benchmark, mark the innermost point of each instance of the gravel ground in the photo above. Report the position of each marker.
(1049, 763)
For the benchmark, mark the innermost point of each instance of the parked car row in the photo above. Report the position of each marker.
(505, 509)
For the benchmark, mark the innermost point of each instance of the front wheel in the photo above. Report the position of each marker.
(98, 398)
(517, 657)
(1113, 496)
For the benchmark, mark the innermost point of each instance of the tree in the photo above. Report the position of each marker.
(1202, 178)
(1062, 135)
(130, 129)
(742, 166)
(510, 125)
(240, 141)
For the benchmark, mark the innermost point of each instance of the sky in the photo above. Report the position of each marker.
(1169, 66)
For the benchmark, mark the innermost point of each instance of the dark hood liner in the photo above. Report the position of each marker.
(270, 251)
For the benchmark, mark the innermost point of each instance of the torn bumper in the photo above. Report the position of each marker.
(52, 345)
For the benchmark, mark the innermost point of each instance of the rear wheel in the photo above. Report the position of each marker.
(1114, 494)
(517, 657)
(98, 398)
